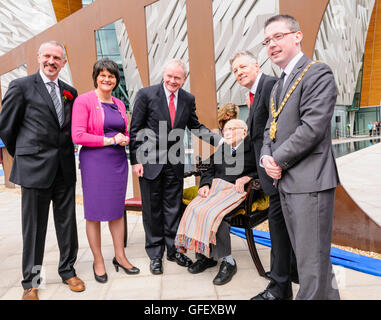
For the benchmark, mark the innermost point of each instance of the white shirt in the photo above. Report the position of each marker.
(168, 96)
(291, 65)
(46, 80)
(253, 89)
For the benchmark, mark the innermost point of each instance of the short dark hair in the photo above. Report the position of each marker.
(107, 64)
(291, 22)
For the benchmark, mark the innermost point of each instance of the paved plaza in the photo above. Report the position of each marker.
(176, 283)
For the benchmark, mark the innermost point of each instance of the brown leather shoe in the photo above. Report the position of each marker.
(75, 284)
(30, 294)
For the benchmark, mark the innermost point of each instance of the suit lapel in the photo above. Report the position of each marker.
(257, 97)
(65, 104)
(291, 78)
(41, 88)
(163, 106)
(180, 107)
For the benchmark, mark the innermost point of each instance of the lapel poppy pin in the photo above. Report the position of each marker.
(67, 95)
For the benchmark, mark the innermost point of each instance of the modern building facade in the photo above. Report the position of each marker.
(348, 40)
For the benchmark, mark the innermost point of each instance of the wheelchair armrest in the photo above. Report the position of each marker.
(254, 185)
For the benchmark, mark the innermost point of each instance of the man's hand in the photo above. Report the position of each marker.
(138, 169)
(271, 167)
(204, 191)
(240, 184)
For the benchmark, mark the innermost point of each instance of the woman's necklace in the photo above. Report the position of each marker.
(102, 99)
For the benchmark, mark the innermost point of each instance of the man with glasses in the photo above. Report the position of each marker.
(297, 154)
(232, 162)
(249, 75)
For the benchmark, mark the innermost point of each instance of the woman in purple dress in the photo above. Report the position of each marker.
(99, 124)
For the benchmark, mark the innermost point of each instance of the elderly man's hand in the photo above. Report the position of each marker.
(204, 191)
(271, 167)
(240, 184)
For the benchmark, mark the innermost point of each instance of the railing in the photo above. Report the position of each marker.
(361, 133)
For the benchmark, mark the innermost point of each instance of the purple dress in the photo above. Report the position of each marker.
(104, 172)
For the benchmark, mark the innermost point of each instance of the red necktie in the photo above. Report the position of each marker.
(251, 99)
(172, 109)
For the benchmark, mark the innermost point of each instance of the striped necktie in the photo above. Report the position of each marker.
(56, 102)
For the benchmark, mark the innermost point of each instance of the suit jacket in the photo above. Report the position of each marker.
(31, 132)
(228, 166)
(256, 122)
(151, 116)
(303, 145)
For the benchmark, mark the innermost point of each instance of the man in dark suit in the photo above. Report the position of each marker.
(231, 162)
(297, 153)
(160, 114)
(35, 125)
(248, 74)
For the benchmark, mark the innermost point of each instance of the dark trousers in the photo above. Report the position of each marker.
(309, 219)
(282, 262)
(161, 210)
(35, 211)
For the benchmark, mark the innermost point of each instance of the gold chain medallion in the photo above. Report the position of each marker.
(275, 114)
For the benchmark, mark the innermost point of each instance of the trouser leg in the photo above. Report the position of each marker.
(34, 213)
(151, 194)
(172, 199)
(309, 219)
(281, 251)
(66, 226)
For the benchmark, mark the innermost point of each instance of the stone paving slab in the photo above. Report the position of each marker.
(176, 283)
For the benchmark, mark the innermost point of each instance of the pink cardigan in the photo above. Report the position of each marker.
(88, 120)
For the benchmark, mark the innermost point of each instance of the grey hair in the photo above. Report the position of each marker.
(178, 62)
(243, 53)
(240, 122)
(54, 43)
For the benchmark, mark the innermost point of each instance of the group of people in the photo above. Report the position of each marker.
(285, 142)
(374, 128)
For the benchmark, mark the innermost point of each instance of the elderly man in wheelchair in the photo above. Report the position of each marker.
(205, 225)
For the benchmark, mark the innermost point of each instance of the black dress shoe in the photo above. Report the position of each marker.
(101, 279)
(181, 259)
(132, 270)
(294, 277)
(156, 266)
(267, 295)
(201, 265)
(226, 273)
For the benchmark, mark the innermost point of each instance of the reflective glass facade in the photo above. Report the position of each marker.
(107, 47)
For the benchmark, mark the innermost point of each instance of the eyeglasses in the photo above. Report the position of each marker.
(232, 129)
(276, 37)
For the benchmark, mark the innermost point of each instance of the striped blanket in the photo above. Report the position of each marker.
(202, 217)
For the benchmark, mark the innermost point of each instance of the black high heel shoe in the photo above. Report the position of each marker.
(101, 279)
(132, 270)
